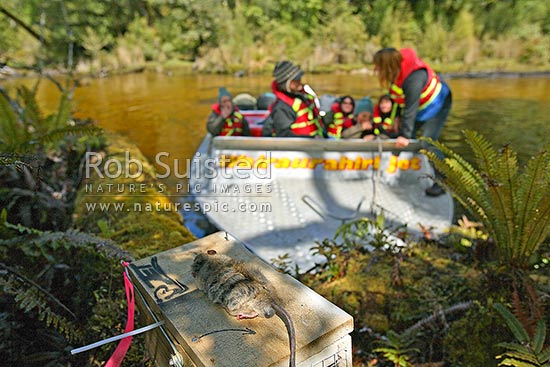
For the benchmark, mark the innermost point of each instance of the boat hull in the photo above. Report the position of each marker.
(282, 195)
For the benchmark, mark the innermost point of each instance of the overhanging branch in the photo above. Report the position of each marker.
(22, 24)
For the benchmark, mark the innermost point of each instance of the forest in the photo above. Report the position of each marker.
(247, 36)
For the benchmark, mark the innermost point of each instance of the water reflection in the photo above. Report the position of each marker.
(521, 123)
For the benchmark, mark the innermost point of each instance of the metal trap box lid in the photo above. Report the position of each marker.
(211, 337)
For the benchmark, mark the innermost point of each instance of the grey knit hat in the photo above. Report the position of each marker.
(223, 92)
(363, 105)
(286, 70)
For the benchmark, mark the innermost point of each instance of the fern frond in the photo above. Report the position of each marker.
(449, 153)
(507, 177)
(456, 168)
(503, 222)
(513, 207)
(470, 185)
(12, 131)
(61, 133)
(63, 114)
(538, 228)
(465, 183)
(30, 296)
(515, 326)
(486, 155)
(533, 197)
(507, 163)
(539, 337)
(527, 358)
(456, 177)
(514, 347)
(520, 311)
(499, 173)
(32, 115)
(514, 362)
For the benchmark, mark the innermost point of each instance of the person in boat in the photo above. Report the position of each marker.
(225, 118)
(294, 112)
(385, 118)
(339, 117)
(424, 98)
(362, 127)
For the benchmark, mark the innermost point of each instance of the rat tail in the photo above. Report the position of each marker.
(285, 317)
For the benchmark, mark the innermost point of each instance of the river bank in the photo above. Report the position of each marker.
(484, 69)
(133, 209)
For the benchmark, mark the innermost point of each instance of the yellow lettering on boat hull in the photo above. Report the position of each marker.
(343, 163)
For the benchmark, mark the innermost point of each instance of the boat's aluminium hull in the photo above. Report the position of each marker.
(281, 195)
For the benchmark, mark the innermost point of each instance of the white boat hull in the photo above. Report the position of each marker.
(281, 195)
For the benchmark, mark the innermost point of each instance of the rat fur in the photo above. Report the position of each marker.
(241, 289)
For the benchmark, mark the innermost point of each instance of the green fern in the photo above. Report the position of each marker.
(63, 112)
(29, 296)
(376, 233)
(31, 113)
(23, 125)
(512, 203)
(49, 277)
(396, 348)
(12, 131)
(527, 352)
(58, 134)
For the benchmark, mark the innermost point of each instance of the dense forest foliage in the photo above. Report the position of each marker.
(249, 35)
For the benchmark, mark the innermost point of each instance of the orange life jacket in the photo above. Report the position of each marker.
(233, 124)
(307, 121)
(411, 62)
(340, 122)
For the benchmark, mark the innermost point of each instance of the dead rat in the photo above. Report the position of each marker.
(241, 289)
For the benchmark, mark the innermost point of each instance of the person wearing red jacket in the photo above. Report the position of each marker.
(340, 117)
(424, 98)
(294, 112)
(225, 119)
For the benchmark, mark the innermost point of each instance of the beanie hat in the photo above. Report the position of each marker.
(223, 92)
(362, 105)
(286, 70)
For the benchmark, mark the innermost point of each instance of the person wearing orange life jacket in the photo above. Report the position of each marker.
(424, 98)
(225, 119)
(385, 118)
(340, 117)
(294, 113)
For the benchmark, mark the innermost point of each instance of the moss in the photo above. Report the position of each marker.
(472, 341)
(382, 296)
(143, 235)
(376, 321)
(133, 211)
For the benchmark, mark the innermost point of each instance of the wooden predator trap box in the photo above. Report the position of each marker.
(203, 334)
